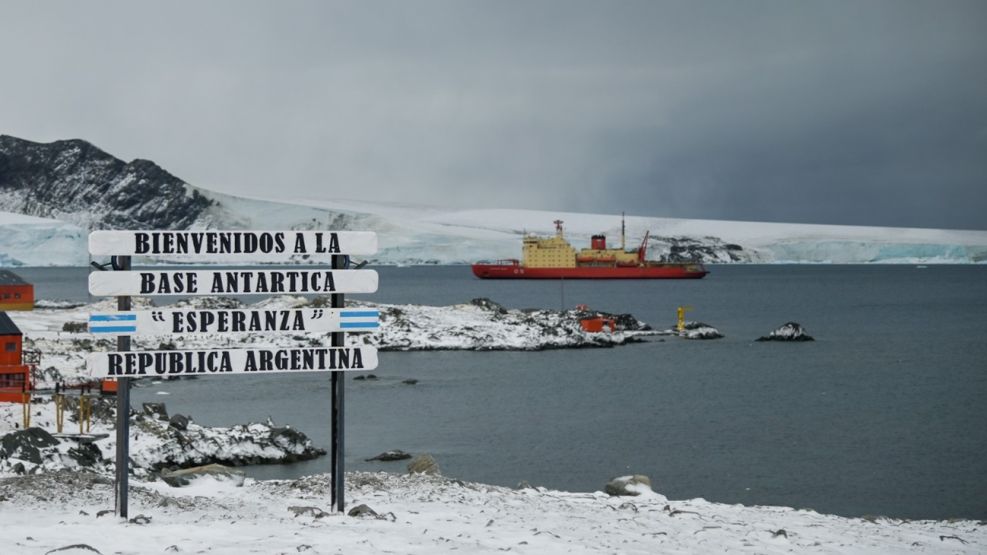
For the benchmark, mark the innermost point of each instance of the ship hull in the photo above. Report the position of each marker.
(655, 271)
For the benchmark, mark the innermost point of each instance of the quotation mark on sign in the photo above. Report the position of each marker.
(317, 313)
(157, 316)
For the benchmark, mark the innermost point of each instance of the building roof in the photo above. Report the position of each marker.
(7, 326)
(10, 278)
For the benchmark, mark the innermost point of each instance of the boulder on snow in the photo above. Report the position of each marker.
(392, 455)
(361, 511)
(26, 444)
(488, 304)
(185, 476)
(313, 512)
(423, 464)
(629, 485)
(790, 331)
(86, 454)
(155, 410)
(179, 422)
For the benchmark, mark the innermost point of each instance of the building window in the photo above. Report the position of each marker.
(17, 295)
(10, 347)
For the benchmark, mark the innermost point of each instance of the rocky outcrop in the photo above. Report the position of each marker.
(423, 464)
(26, 445)
(790, 331)
(699, 330)
(392, 455)
(629, 485)
(185, 476)
(238, 445)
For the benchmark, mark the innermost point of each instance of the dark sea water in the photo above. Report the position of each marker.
(884, 414)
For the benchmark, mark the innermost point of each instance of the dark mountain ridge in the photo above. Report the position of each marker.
(75, 181)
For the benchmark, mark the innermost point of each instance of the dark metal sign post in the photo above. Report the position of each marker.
(123, 408)
(337, 339)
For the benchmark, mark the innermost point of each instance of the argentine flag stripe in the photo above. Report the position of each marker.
(359, 324)
(359, 314)
(112, 317)
(113, 329)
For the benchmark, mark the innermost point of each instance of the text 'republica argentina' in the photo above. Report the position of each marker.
(218, 362)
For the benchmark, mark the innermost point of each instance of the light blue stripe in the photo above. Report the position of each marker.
(359, 325)
(112, 317)
(113, 329)
(359, 314)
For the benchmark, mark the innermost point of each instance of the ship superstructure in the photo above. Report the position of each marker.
(554, 257)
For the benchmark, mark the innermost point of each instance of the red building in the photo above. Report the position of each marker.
(15, 293)
(15, 376)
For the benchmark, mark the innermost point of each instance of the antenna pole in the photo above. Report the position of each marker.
(623, 245)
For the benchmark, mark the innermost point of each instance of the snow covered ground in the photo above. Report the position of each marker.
(428, 235)
(429, 514)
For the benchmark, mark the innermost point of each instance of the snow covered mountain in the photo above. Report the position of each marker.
(71, 187)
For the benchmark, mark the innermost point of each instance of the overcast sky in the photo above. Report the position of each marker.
(870, 113)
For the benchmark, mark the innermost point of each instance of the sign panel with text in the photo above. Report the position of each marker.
(203, 321)
(135, 364)
(231, 246)
(232, 282)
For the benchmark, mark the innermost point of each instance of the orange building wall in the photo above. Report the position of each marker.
(13, 375)
(17, 297)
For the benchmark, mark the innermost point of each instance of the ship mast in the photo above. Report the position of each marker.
(558, 228)
(622, 245)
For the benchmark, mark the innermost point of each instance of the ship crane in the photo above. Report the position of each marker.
(642, 251)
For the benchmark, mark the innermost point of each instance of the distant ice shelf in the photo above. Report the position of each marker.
(423, 236)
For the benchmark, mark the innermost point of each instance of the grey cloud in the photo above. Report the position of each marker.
(833, 112)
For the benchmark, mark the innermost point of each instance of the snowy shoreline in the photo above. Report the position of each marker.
(432, 514)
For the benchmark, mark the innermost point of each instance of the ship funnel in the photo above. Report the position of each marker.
(599, 242)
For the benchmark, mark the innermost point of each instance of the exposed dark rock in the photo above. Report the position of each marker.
(314, 512)
(790, 331)
(488, 304)
(628, 485)
(683, 250)
(82, 546)
(140, 519)
(179, 422)
(184, 477)
(362, 511)
(392, 455)
(156, 410)
(86, 454)
(410, 381)
(26, 444)
(699, 330)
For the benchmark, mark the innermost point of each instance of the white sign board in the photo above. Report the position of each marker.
(227, 246)
(192, 321)
(132, 364)
(231, 282)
